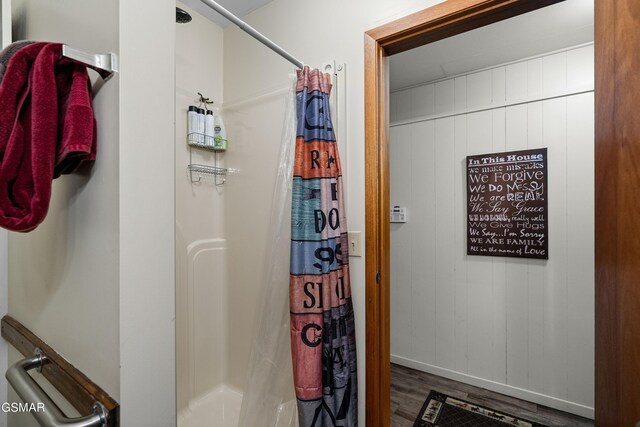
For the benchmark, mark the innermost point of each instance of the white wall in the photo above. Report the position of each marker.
(96, 279)
(314, 34)
(147, 213)
(63, 277)
(5, 28)
(520, 327)
(200, 231)
(4, 293)
(5, 16)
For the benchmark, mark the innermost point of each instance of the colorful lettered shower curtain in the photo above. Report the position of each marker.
(323, 341)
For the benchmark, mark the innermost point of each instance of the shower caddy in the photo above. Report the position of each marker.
(198, 140)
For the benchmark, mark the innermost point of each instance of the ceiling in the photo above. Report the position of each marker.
(564, 24)
(237, 7)
(554, 27)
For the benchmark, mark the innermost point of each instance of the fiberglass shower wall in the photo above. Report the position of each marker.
(221, 231)
(201, 284)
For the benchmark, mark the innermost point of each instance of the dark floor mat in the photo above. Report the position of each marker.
(440, 410)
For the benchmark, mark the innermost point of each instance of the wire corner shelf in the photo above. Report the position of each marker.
(198, 171)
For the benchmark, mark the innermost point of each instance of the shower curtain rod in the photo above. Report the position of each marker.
(253, 33)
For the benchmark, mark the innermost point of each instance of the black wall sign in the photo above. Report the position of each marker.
(507, 204)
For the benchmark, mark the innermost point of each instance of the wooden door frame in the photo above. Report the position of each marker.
(617, 175)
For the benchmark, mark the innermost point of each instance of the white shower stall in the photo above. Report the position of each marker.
(221, 231)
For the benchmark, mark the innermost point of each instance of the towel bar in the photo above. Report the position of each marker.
(104, 64)
(31, 393)
(73, 385)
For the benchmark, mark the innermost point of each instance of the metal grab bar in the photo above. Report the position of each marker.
(31, 393)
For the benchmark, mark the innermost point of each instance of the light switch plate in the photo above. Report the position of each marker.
(355, 243)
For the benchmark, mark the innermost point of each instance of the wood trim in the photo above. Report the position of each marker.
(605, 199)
(435, 23)
(79, 390)
(447, 19)
(374, 339)
(384, 239)
(617, 205)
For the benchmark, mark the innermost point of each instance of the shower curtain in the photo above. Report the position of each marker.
(269, 399)
(322, 321)
(312, 319)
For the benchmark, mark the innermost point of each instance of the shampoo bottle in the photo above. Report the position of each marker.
(192, 124)
(209, 134)
(220, 134)
(201, 121)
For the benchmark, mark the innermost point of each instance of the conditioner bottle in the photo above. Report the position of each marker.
(220, 134)
(209, 134)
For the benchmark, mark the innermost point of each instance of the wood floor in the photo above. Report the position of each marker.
(409, 390)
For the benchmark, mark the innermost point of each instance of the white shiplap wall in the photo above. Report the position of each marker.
(520, 327)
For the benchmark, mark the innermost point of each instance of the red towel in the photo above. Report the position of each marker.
(47, 128)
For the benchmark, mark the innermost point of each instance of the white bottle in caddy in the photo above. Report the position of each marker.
(201, 121)
(209, 129)
(192, 125)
